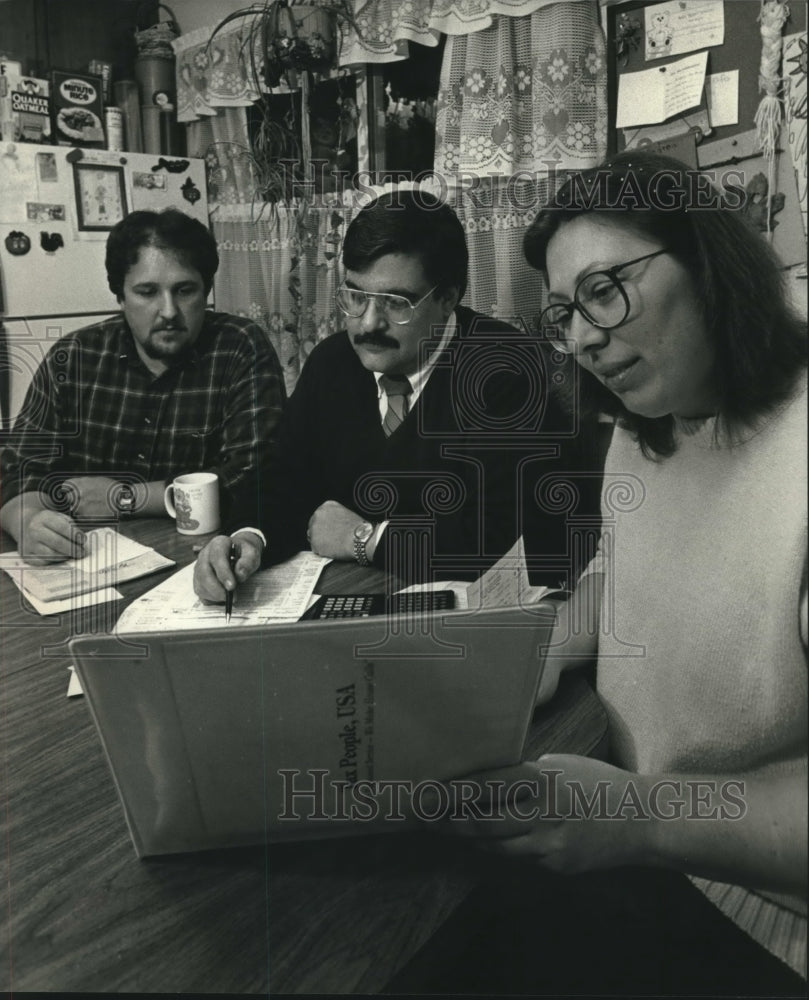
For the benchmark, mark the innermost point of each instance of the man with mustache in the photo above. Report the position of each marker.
(402, 442)
(119, 408)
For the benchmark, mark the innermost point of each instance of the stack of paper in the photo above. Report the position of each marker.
(109, 559)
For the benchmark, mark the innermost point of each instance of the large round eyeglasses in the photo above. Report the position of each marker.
(398, 309)
(600, 297)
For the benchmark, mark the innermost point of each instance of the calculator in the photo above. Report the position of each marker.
(365, 605)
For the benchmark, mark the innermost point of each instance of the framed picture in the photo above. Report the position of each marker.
(100, 195)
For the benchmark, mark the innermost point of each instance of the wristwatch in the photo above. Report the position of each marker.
(362, 535)
(125, 500)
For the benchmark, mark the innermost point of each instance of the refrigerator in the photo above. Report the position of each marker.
(57, 206)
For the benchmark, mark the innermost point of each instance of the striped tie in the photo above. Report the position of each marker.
(397, 388)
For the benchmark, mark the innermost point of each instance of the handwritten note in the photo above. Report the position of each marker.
(653, 95)
(672, 29)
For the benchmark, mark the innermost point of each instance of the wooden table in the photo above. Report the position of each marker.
(82, 913)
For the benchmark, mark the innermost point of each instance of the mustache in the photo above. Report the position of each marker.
(167, 326)
(377, 339)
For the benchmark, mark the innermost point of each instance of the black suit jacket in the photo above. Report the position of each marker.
(455, 480)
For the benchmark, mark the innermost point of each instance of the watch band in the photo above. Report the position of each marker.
(362, 535)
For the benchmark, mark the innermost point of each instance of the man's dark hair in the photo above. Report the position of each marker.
(410, 222)
(169, 230)
(759, 343)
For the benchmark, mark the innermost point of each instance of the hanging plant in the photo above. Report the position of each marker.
(280, 40)
(280, 36)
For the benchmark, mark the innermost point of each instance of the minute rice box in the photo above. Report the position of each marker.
(77, 109)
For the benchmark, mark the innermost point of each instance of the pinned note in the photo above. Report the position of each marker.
(653, 95)
(672, 29)
(722, 94)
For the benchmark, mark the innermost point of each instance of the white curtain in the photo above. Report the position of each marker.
(281, 270)
(278, 263)
(525, 93)
(519, 102)
(222, 141)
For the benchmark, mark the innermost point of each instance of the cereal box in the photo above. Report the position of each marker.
(25, 109)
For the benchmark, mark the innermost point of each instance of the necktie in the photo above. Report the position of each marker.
(397, 388)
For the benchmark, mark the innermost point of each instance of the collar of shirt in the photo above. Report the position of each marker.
(419, 378)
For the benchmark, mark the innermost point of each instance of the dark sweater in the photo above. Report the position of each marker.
(455, 480)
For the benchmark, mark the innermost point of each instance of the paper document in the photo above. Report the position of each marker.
(279, 594)
(505, 585)
(722, 93)
(681, 26)
(64, 604)
(653, 95)
(110, 559)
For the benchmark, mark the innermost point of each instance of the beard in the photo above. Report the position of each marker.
(173, 351)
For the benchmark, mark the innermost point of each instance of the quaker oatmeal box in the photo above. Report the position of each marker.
(25, 110)
(77, 109)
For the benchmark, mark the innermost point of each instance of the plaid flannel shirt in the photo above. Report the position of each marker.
(94, 408)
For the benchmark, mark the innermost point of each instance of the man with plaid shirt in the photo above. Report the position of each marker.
(165, 388)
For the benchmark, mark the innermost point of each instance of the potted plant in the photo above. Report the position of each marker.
(281, 36)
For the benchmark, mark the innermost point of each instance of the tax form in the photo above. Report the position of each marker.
(271, 596)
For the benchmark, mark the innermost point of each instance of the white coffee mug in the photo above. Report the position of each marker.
(193, 500)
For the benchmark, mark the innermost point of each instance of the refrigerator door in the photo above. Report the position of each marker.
(57, 206)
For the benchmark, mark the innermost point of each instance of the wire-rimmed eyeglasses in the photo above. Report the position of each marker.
(600, 297)
(398, 309)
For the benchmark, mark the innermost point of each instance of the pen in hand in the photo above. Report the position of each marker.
(232, 558)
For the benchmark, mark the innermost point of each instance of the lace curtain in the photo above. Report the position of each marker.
(278, 263)
(282, 272)
(386, 26)
(518, 102)
(214, 74)
(217, 75)
(523, 94)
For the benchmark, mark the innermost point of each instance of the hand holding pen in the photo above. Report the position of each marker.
(224, 563)
(232, 559)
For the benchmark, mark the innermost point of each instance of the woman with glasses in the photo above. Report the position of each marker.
(695, 607)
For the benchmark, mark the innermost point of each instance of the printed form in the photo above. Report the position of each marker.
(272, 596)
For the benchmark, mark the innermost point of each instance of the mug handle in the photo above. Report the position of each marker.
(168, 500)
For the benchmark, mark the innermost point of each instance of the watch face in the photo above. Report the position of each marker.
(125, 500)
(363, 531)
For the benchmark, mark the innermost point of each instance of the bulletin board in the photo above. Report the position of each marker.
(730, 144)
(740, 50)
